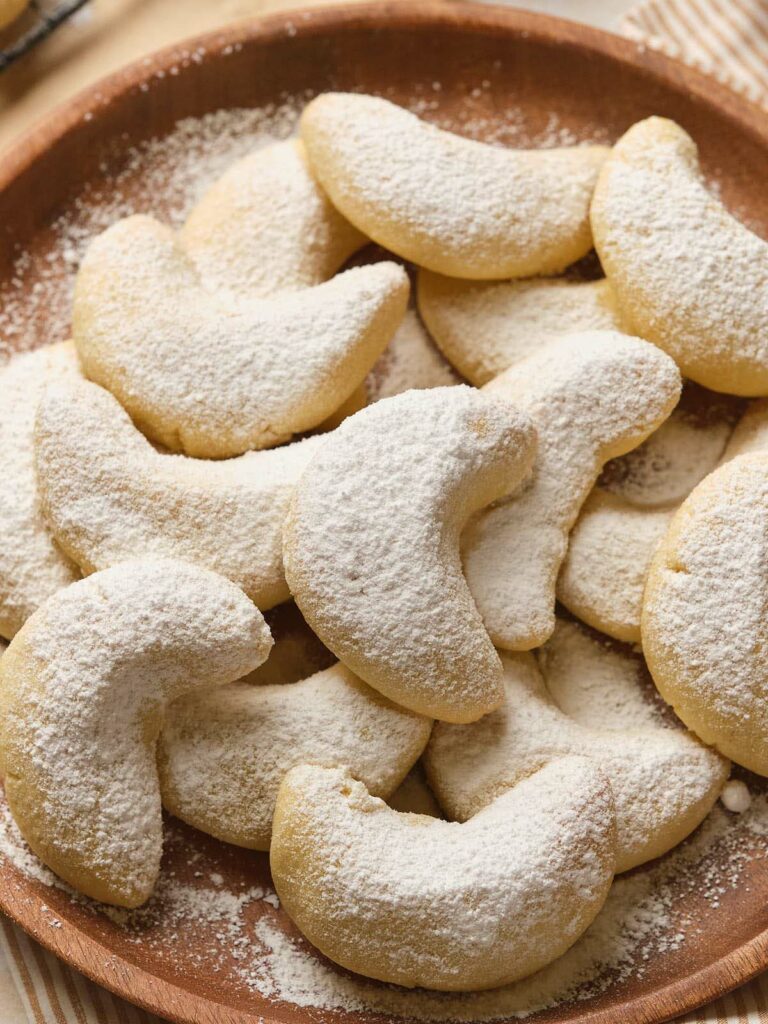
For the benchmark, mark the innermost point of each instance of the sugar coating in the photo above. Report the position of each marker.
(265, 226)
(413, 900)
(84, 687)
(664, 781)
(704, 620)
(592, 396)
(372, 536)
(691, 277)
(32, 566)
(453, 205)
(223, 753)
(109, 495)
(485, 327)
(211, 375)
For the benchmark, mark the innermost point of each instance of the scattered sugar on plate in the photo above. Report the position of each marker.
(238, 930)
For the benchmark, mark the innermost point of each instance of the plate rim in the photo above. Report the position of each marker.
(67, 941)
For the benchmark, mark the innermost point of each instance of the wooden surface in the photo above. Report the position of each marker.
(595, 83)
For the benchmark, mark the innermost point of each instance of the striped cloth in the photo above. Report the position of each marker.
(725, 38)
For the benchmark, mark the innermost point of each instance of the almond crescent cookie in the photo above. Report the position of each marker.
(412, 900)
(84, 685)
(704, 622)
(265, 226)
(212, 376)
(371, 544)
(107, 494)
(32, 565)
(664, 781)
(484, 327)
(592, 396)
(455, 206)
(690, 277)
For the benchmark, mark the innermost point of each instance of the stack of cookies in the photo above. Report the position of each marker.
(323, 537)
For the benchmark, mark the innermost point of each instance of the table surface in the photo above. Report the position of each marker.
(46, 78)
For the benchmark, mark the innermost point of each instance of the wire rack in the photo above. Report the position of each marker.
(45, 18)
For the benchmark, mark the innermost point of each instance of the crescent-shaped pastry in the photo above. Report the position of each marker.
(84, 687)
(212, 376)
(265, 226)
(108, 494)
(371, 544)
(690, 277)
(453, 205)
(484, 327)
(592, 396)
(664, 781)
(611, 546)
(412, 900)
(703, 622)
(609, 553)
(223, 753)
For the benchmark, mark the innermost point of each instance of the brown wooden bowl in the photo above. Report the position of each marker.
(488, 61)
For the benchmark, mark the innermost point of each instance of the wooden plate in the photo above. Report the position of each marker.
(476, 66)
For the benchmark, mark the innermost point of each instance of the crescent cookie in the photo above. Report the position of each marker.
(223, 753)
(265, 226)
(108, 494)
(450, 204)
(371, 544)
(703, 621)
(664, 781)
(609, 553)
(84, 687)
(412, 900)
(613, 541)
(690, 277)
(212, 376)
(32, 566)
(484, 327)
(592, 396)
